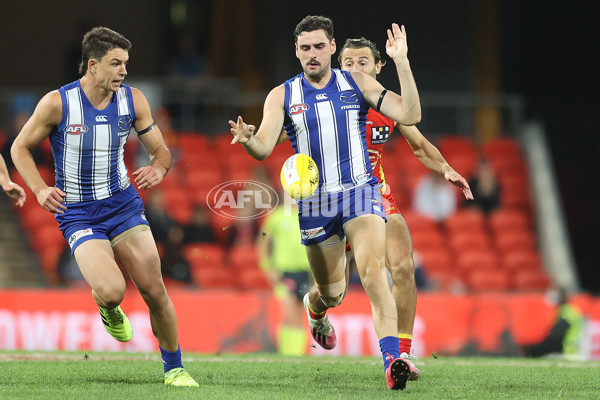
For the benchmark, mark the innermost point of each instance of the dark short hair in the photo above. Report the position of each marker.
(359, 44)
(99, 41)
(313, 23)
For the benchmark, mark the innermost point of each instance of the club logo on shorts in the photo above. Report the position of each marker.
(376, 205)
(298, 108)
(312, 233)
(76, 129)
(78, 235)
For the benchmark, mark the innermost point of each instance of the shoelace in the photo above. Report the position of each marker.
(323, 326)
(114, 318)
(176, 373)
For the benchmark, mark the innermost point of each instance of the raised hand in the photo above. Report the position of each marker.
(396, 46)
(457, 180)
(16, 192)
(241, 131)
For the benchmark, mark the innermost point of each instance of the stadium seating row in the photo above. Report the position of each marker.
(482, 252)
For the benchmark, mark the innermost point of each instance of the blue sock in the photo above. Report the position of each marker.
(171, 359)
(390, 349)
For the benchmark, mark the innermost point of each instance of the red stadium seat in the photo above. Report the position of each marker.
(414, 170)
(469, 240)
(213, 278)
(428, 240)
(193, 142)
(487, 280)
(280, 153)
(468, 261)
(222, 142)
(465, 219)
(436, 260)
(399, 151)
(463, 164)
(221, 226)
(530, 280)
(210, 161)
(243, 257)
(252, 279)
(37, 217)
(178, 205)
(204, 255)
(510, 166)
(204, 178)
(506, 220)
(419, 222)
(515, 192)
(47, 174)
(50, 254)
(522, 260)
(518, 240)
(501, 148)
(46, 236)
(173, 180)
(455, 144)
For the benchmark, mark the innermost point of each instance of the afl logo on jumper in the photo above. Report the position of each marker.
(298, 108)
(76, 129)
(125, 123)
(349, 97)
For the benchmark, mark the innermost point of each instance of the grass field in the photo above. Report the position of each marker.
(53, 375)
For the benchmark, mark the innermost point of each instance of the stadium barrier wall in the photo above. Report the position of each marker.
(234, 322)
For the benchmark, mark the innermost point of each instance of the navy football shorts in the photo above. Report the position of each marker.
(324, 215)
(102, 219)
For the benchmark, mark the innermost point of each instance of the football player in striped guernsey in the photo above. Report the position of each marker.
(98, 210)
(323, 111)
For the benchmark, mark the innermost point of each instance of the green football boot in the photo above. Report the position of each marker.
(116, 323)
(179, 377)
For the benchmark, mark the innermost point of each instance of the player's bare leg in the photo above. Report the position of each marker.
(399, 260)
(366, 236)
(328, 268)
(140, 258)
(97, 264)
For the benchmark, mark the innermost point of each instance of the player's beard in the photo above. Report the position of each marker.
(317, 74)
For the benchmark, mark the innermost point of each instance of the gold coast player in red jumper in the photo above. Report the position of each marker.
(362, 55)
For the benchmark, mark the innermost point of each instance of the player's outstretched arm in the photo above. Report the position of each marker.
(397, 48)
(153, 142)
(431, 157)
(45, 117)
(260, 144)
(10, 188)
(405, 109)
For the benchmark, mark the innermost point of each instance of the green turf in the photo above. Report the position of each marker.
(266, 376)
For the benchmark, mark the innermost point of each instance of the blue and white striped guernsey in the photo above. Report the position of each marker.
(329, 125)
(88, 144)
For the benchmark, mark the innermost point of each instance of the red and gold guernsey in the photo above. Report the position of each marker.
(379, 128)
